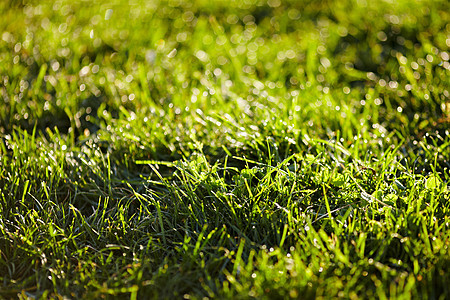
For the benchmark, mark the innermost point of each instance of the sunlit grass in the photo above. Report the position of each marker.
(242, 149)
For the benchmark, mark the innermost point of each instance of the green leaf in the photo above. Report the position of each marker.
(433, 182)
(390, 199)
(338, 180)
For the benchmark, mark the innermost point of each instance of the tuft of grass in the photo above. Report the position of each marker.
(238, 149)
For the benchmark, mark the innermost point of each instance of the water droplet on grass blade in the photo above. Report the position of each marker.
(399, 185)
(366, 197)
(172, 53)
(108, 14)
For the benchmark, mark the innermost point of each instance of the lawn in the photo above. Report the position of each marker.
(225, 149)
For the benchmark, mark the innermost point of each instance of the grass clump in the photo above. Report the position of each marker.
(243, 149)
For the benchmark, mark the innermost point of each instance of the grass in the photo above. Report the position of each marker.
(242, 149)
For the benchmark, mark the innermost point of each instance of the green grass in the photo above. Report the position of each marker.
(243, 149)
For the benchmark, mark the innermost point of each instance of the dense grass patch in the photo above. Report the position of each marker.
(233, 149)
